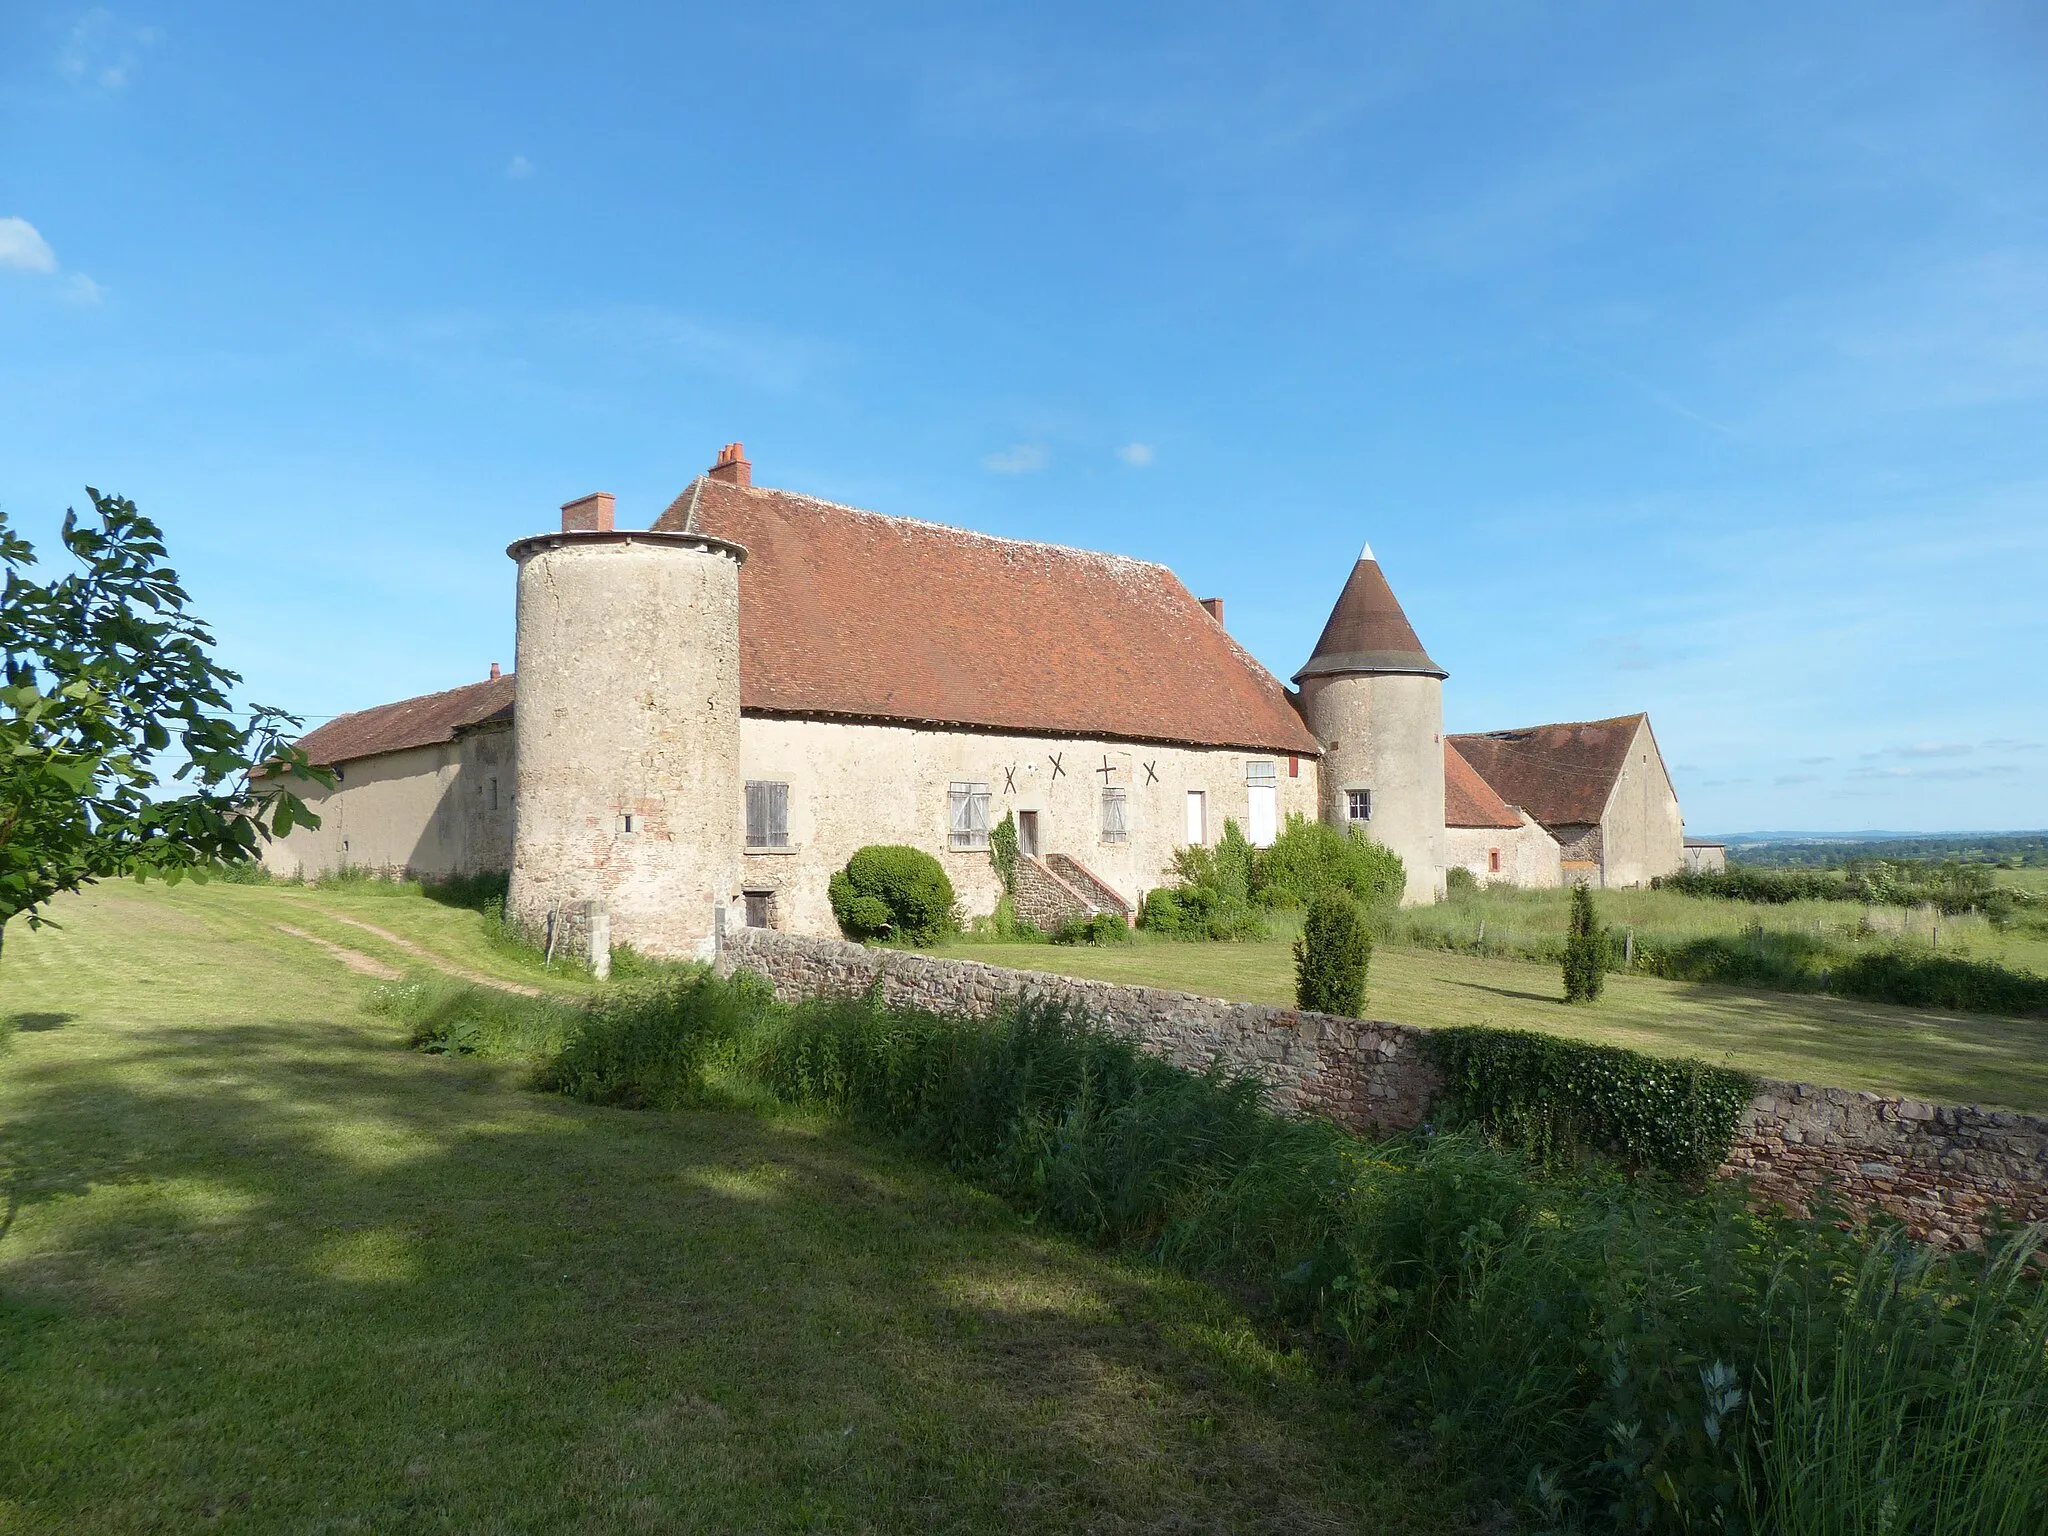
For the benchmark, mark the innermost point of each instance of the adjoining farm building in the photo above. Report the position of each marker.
(1598, 786)
(1703, 856)
(712, 715)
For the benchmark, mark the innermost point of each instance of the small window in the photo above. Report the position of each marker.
(1259, 770)
(967, 816)
(1198, 818)
(494, 794)
(1493, 861)
(1116, 827)
(760, 909)
(1358, 805)
(767, 819)
(1293, 766)
(628, 823)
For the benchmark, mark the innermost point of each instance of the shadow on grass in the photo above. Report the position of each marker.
(37, 1023)
(1526, 997)
(287, 1271)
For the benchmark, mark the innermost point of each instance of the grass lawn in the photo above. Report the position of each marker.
(1946, 1057)
(261, 1268)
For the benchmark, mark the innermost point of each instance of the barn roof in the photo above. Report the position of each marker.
(1469, 801)
(1560, 774)
(1367, 631)
(853, 614)
(419, 722)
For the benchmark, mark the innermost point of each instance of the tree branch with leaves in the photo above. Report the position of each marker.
(109, 679)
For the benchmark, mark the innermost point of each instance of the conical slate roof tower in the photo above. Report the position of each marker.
(1375, 699)
(1367, 631)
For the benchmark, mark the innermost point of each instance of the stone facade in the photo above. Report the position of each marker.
(1642, 834)
(1383, 734)
(853, 783)
(1525, 856)
(1941, 1170)
(424, 812)
(628, 728)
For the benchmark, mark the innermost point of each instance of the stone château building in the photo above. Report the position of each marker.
(711, 715)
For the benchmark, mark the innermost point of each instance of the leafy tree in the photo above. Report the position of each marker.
(1310, 857)
(1584, 961)
(106, 673)
(1331, 957)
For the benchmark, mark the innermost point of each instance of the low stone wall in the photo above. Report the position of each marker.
(1940, 1169)
(1363, 1075)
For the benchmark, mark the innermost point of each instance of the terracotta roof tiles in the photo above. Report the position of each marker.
(419, 722)
(1560, 774)
(853, 614)
(1469, 801)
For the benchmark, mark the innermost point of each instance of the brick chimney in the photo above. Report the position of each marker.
(588, 514)
(732, 466)
(1215, 607)
(494, 672)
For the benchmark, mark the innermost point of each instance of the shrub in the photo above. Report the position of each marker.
(1101, 928)
(459, 1018)
(893, 890)
(1310, 857)
(1197, 912)
(646, 1046)
(1460, 881)
(1002, 852)
(1331, 957)
(1584, 950)
(1556, 1098)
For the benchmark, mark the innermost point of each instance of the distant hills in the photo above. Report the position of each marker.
(1796, 850)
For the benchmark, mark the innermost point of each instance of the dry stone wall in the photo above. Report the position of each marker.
(1942, 1170)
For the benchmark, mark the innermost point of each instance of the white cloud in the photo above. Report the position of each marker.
(518, 168)
(1137, 455)
(102, 50)
(80, 289)
(23, 248)
(1024, 459)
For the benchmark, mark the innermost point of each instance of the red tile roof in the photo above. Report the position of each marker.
(416, 722)
(1560, 774)
(1469, 801)
(1367, 631)
(853, 614)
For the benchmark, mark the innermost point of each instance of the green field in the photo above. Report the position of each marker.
(1946, 1057)
(263, 1269)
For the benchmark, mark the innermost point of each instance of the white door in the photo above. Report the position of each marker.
(1198, 818)
(1265, 806)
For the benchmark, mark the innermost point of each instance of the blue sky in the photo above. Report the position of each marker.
(1690, 360)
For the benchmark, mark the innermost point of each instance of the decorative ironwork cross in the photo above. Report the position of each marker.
(1010, 780)
(1105, 770)
(1057, 770)
(1151, 773)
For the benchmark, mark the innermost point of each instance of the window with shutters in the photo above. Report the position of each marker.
(1358, 805)
(767, 815)
(967, 816)
(1262, 796)
(1116, 826)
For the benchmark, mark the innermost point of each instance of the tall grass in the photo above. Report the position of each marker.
(1605, 1353)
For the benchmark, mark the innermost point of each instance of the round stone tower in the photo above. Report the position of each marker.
(627, 806)
(1376, 700)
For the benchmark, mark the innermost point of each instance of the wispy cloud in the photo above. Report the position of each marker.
(1925, 749)
(1024, 459)
(1137, 455)
(102, 51)
(518, 168)
(23, 248)
(1796, 778)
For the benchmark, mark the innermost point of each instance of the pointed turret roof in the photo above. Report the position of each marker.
(1367, 631)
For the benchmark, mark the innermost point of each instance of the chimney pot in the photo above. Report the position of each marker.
(1215, 607)
(732, 466)
(494, 671)
(588, 514)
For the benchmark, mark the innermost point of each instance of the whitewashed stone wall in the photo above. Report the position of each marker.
(1940, 1169)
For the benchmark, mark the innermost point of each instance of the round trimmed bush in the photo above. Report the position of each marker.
(888, 889)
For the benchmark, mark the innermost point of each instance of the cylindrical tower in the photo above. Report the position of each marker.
(1376, 700)
(627, 731)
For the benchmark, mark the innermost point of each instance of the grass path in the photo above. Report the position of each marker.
(263, 1270)
(1945, 1057)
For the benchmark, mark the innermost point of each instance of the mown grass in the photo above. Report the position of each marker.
(1924, 1053)
(262, 1268)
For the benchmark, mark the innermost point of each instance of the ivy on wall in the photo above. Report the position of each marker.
(1559, 1098)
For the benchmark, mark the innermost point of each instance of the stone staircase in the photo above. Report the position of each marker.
(1057, 888)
